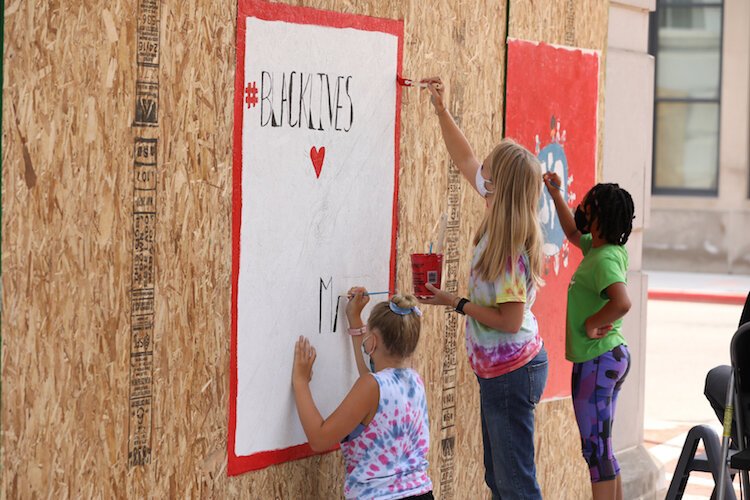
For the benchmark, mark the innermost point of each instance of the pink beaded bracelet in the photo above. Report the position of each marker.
(356, 332)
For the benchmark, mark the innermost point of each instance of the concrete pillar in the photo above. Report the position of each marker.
(627, 157)
(734, 143)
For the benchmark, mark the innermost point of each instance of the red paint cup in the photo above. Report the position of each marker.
(426, 268)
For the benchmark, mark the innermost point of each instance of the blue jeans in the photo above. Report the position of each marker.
(507, 409)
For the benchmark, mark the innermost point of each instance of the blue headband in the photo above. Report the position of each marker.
(403, 311)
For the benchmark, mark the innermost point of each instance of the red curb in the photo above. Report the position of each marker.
(694, 296)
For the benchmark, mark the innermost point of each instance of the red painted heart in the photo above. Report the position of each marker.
(317, 156)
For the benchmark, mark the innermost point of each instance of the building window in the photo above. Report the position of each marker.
(686, 40)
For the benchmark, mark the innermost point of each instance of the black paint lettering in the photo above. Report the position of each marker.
(336, 315)
(327, 286)
(284, 97)
(302, 103)
(265, 96)
(351, 105)
(320, 101)
(291, 102)
(295, 100)
(330, 101)
(338, 106)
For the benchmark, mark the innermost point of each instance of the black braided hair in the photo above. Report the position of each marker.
(613, 207)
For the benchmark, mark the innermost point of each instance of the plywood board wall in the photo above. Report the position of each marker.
(70, 259)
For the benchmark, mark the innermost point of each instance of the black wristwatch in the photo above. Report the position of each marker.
(460, 305)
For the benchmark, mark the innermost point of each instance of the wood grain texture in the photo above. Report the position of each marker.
(68, 102)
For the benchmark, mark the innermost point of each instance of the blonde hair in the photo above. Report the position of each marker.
(400, 333)
(512, 221)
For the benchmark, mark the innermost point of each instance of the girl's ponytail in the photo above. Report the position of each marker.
(399, 322)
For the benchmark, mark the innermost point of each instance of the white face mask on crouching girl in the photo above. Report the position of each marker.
(369, 354)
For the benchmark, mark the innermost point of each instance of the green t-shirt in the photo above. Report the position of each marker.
(600, 267)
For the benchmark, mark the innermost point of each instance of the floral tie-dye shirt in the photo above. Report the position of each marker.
(387, 459)
(493, 353)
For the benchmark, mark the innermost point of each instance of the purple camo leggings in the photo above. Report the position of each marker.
(596, 384)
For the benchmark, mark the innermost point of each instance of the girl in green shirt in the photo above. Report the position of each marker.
(597, 301)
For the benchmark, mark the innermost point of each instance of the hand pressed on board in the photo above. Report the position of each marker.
(441, 297)
(437, 89)
(304, 358)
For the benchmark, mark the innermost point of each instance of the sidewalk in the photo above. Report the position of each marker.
(698, 287)
(691, 319)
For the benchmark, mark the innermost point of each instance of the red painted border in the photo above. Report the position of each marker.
(695, 296)
(298, 15)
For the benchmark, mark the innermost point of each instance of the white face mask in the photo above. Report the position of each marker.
(364, 349)
(368, 354)
(480, 182)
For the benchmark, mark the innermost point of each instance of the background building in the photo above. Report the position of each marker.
(700, 209)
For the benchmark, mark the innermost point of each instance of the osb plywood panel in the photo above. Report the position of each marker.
(66, 211)
(68, 246)
(561, 469)
(574, 23)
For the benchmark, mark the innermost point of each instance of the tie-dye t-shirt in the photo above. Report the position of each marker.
(493, 353)
(387, 459)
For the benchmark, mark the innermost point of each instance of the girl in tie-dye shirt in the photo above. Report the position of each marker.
(382, 423)
(502, 337)
(493, 352)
